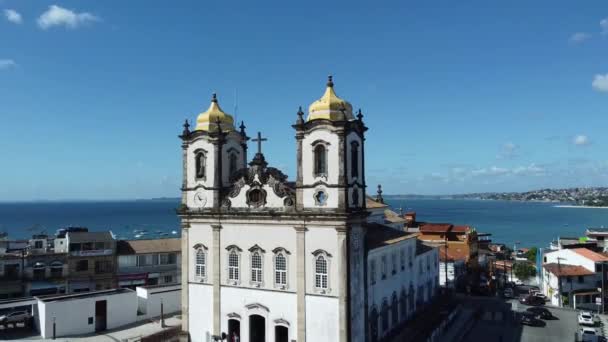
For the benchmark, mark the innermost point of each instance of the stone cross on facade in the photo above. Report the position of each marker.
(259, 140)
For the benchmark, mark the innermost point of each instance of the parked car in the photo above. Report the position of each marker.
(530, 319)
(541, 296)
(533, 290)
(586, 334)
(15, 317)
(531, 300)
(540, 312)
(586, 318)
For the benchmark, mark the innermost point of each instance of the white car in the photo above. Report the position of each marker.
(587, 335)
(586, 318)
(14, 317)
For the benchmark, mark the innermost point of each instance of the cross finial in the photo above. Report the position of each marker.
(186, 128)
(330, 81)
(360, 115)
(214, 98)
(242, 127)
(259, 140)
(300, 119)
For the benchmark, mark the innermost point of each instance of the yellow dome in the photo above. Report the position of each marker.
(330, 106)
(207, 121)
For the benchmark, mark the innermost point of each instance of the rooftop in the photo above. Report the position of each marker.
(125, 247)
(422, 247)
(567, 270)
(453, 254)
(379, 235)
(62, 297)
(371, 203)
(435, 227)
(76, 237)
(393, 217)
(589, 254)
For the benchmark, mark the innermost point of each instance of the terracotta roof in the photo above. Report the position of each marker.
(567, 270)
(461, 229)
(371, 203)
(435, 227)
(589, 254)
(379, 235)
(125, 247)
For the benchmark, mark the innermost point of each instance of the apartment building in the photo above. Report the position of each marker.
(148, 262)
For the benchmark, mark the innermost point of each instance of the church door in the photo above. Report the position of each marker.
(234, 330)
(257, 328)
(280, 333)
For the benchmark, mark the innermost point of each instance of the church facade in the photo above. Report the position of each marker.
(265, 259)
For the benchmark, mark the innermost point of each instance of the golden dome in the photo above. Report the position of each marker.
(207, 121)
(330, 106)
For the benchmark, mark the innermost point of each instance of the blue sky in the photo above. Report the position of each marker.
(459, 97)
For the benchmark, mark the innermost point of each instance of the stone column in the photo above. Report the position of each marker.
(301, 281)
(217, 176)
(217, 310)
(342, 283)
(184, 173)
(185, 274)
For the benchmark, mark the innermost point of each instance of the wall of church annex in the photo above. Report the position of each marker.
(322, 318)
(200, 312)
(277, 308)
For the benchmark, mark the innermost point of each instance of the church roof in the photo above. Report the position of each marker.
(370, 203)
(330, 106)
(208, 120)
(379, 235)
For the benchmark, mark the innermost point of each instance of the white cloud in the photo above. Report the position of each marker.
(604, 25)
(581, 140)
(59, 16)
(492, 171)
(7, 64)
(579, 37)
(531, 169)
(600, 83)
(13, 16)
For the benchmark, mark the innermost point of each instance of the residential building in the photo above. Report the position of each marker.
(452, 267)
(575, 273)
(460, 240)
(148, 262)
(91, 259)
(599, 236)
(45, 274)
(266, 259)
(11, 272)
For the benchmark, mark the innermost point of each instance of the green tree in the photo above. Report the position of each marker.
(531, 254)
(524, 270)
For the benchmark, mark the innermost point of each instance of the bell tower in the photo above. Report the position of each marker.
(330, 157)
(211, 153)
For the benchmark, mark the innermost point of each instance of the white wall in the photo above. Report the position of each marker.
(149, 300)
(322, 318)
(72, 315)
(200, 312)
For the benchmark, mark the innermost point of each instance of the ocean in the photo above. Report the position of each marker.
(529, 223)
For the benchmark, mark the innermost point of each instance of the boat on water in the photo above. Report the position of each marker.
(174, 232)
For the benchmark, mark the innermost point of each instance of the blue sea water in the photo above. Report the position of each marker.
(532, 224)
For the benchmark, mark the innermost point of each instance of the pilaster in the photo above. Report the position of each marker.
(342, 282)
(216, 280)
(301, 281)
(184, 173)
(217, 177)
(299, 174)
(185, 274)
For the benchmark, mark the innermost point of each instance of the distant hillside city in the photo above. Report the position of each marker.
(597, 196)
(593, 196)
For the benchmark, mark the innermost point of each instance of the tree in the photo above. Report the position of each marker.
(531, 254)
(524, 270)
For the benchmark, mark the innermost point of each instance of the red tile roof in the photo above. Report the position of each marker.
(567, 270)
(461, 229)
(589, 254)
(435, 227)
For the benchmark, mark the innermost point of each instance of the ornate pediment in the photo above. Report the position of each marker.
(256, 176)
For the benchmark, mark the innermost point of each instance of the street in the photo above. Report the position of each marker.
(499, 322)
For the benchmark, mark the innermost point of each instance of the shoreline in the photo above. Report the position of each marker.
(579, 206)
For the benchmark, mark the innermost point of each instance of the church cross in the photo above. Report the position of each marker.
(259, 140)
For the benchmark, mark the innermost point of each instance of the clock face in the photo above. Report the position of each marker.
(200, 199)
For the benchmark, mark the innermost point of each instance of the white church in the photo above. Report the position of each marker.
(269, 260)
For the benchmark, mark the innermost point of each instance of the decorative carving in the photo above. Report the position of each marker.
(226, 203)
(256, 247)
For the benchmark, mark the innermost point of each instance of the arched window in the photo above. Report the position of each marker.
(320, 153)
(384, 316)
(232, 163)
(256, 267)
(201, 164)
(395, 310)
(201, 264)
(280, 269)
(233, 266)
(354, 159)
(321, 276)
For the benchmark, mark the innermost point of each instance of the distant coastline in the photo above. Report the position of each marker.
(580, 206)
